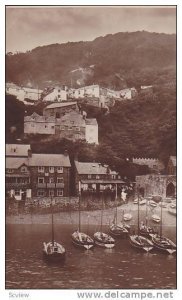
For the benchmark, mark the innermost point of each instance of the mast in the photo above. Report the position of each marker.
(52, 223)
(138, 210)
(79, 215)
(146, 218)
(101, 215)
(161, 221)
(116, 205)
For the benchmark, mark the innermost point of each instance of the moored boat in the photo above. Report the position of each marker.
(104, 240)
(156, 218)
(82, 240)
(53, 251)
(163, 244)
(141, 242)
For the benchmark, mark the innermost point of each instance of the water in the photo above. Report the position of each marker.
(120, 267)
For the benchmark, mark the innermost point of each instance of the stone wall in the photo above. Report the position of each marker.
(156, 184)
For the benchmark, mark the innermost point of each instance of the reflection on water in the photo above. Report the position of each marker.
(120, 267)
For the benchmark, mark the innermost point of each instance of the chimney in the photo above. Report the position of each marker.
(65, 152)
(29, 153)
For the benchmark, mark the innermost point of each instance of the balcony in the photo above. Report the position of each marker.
(41, 185)
(18, 185)
(51, 185)
(60, 185)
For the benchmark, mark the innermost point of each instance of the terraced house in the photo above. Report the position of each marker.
(36, 175)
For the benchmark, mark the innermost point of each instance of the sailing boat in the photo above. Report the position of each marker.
(146, 230)
(138, 241)
(102, 239)
(80, 239)
(53, 251)
(118, 230)
(161, 242)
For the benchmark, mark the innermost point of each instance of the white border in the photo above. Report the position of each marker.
(71, 294)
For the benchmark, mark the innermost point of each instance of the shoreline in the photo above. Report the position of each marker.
(94, 217)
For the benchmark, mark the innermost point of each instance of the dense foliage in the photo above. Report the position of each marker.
(115, 61)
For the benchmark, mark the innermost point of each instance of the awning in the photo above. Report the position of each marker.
(102, 181)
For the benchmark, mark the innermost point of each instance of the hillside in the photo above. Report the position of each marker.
(116, 61)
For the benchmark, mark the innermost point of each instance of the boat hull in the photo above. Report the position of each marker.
(54, 253)
(120, 232)
(87, 243)
(163, 244)
(104, 240)
(141, 243)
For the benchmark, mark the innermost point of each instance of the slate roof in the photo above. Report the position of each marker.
(92, 168)
(17, 150)
(60, 104)
(49, 160)
(15, 162)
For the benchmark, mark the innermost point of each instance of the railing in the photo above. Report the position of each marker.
(41, 185)
(51, 185)
(17, 185)
(60, 185)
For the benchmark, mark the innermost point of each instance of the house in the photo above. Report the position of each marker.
(17, 174)
(17, 150)
(92, 176)
(127, 94)
(23, 93)
(91, 133)
(50, 174)
(171, 167)
(58, 110)
(57, 94)
(36, 124)
(72, 125)
(154, 164)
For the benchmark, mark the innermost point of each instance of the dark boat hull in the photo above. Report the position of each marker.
(54, 257)
(169, 247)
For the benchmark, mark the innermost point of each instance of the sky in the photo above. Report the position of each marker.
(30, 27)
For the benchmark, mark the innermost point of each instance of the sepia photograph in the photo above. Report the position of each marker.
(90, 148)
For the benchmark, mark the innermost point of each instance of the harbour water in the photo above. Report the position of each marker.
(119, 268)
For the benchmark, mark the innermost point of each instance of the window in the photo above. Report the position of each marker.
(89, 176)
(45, 126)
(77, 128)
(113, 176)
(51, 193)
(9, 170)
(24, 169)
(17, 192)
(40, 179)
(60, 180)
(70, 128)
(59, 91)
(41, 169)
(59, 193)
(51, 169)
(97, 176)
(60, 169)
(51, 180)
(40, 193)
(59, 96)
(52, 127)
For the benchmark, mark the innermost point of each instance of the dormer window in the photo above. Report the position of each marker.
(41, 169)
(24, 169)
